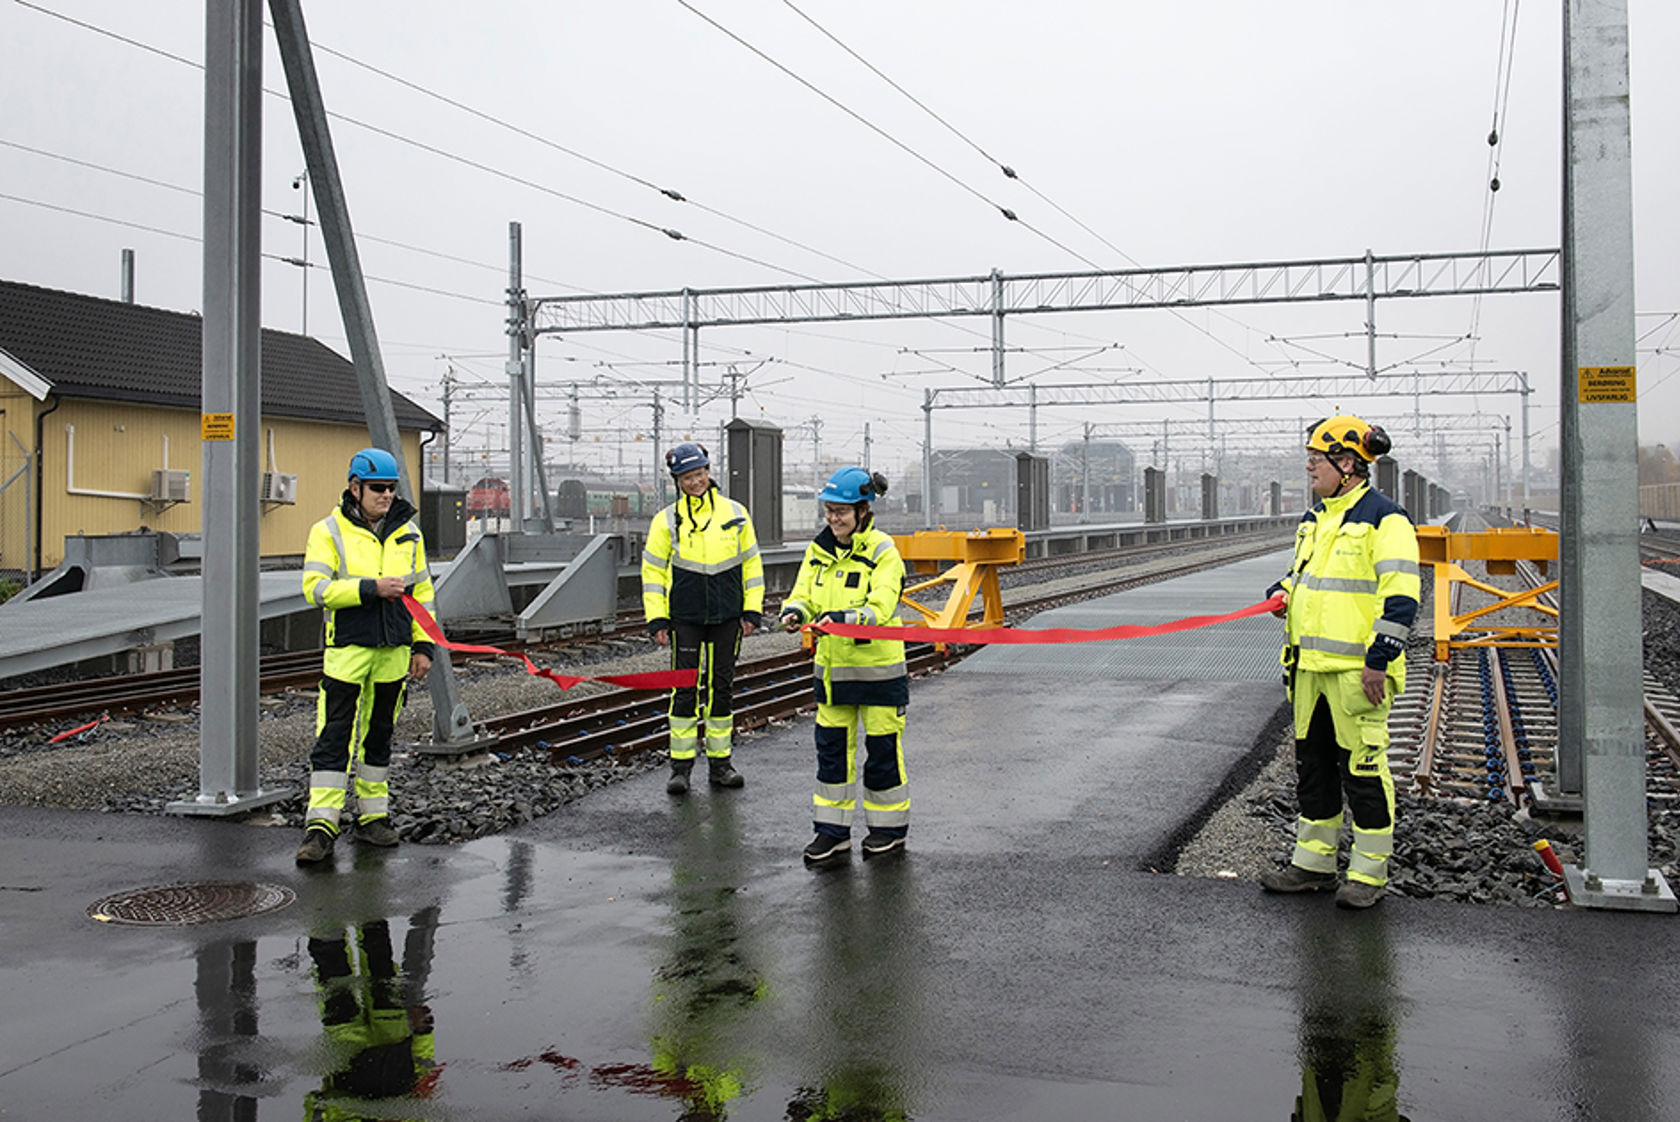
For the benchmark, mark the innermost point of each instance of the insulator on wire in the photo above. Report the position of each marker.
(1494, 186)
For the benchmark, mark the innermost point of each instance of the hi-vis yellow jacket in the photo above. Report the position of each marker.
(1353, 588)
(701, 564)
(861, 583)
(344, 559)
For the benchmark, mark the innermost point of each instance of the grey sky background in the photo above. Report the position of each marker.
(1205, 131)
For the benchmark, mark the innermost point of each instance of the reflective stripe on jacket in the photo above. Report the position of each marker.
(864, 580)
(701, 563)
(1354, 583)
(344, 560)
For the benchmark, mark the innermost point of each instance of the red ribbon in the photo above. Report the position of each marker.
(657, 680)
(68, 733)
(1024, 635)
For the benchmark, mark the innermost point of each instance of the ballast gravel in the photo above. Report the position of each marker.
(1454, 849)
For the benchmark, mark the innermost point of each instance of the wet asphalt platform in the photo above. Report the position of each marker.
(639, 957)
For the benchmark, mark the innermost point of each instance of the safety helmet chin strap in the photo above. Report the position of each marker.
(1342, 486)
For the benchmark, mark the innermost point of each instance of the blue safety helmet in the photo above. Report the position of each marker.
(853, 485)
(685, 457)
(374, 463)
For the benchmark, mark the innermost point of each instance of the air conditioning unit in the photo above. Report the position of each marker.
(170, 485)
(279, 488)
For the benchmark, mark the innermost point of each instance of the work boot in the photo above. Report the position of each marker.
(721, 773)
(678, 783)
(1357, 894)
(878, 844)
(1293, 878)
(317, 846)
(376, 831)
(826, 847)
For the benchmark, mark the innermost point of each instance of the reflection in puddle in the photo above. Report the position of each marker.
(379, 1030)
(711, 978)
(1349, 1022)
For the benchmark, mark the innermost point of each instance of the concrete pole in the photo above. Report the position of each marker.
(1370, 316)
(927, 459)
(1085, 476)
(997, 329)
(517, 504)
(1525, 454)
(1601, 723)
(1032, 418)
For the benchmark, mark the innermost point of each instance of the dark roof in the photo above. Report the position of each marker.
(106, 349)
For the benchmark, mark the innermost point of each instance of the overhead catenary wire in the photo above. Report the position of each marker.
(668, 192)
(1009, 172)
(1503, 67)
(195, 193)
(61, 209)
(390, 134)
(668, 232)
(889, 137)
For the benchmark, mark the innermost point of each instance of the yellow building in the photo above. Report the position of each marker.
(99, 426)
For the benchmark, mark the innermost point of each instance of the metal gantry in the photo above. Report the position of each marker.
(1415, 384)
(1368, 278)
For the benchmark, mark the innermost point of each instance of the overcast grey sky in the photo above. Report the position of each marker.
(1201, 131)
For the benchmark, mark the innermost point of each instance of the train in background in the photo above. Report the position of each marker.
(577, 499)
(490, 497)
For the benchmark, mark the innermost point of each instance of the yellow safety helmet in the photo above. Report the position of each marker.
(1346, 433)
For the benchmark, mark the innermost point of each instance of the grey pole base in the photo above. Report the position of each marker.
(223, 805)
(1551, 801)
(465, 746)
(1586, 890)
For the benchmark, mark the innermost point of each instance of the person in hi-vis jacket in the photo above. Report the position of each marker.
(360, 560)
(852, 573)
(702, 592)
(1351, 596)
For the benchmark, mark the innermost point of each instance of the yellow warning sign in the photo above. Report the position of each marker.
(1606, 383)
(215, 426)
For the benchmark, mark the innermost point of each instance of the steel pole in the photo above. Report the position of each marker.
(292, 38)
(231, 388)
(1601, 720)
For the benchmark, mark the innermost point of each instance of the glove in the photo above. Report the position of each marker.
(847, 616)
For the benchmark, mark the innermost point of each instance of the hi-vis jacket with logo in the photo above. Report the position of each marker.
(701, 563)
(862, 582)
(1353, 588)
(343, 561)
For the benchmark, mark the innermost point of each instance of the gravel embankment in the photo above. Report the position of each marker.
(138, 765)
(1459, 849)
(1455, 849)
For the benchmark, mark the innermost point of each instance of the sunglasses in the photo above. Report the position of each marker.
(380, 488)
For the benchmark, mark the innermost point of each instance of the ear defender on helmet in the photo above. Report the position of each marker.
(1335, 436)
(853, 485)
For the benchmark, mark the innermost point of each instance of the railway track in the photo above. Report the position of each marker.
(1484, 725)
(778, 688)
(179, 689)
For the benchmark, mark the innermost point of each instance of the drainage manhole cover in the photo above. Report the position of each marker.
(177, 904)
